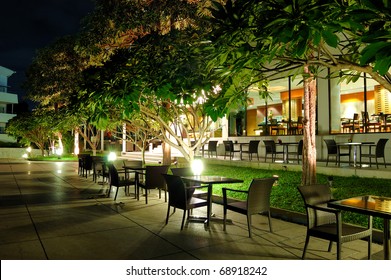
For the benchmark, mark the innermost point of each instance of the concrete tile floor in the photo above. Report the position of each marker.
(48, 211)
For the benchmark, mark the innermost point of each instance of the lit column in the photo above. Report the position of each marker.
(335, 105)
(224, 124)
(328, 106)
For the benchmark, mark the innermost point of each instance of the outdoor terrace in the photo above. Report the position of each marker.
(50, 212)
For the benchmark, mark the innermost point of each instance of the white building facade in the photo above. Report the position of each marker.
(8, 101)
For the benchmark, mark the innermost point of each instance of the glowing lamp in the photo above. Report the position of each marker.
(197, 166)
(112, 156)
(59, 151)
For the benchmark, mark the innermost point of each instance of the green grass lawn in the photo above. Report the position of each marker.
(286, 196)
(54, 158)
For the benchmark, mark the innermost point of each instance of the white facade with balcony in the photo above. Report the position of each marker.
(7, 102)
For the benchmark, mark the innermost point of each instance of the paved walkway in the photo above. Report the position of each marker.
(48, 211)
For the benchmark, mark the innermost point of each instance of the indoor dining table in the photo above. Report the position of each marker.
(376, 206)
(208, 182)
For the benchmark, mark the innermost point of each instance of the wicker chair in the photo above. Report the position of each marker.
(81, 164)
(326, 223)
(179, 198)
(87, 165)
(229, 148)
(258, 201)
(116, 181)
(252, 149)
(378, 153)
(97, 166)
(153, 180)
(334, 150)
(192, 190)
(212, 148)
(270, 148)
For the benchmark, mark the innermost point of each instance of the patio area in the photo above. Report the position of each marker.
(49, 212)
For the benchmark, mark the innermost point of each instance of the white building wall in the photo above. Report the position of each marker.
(5, 99)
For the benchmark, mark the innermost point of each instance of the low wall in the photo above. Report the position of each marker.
(17, 152)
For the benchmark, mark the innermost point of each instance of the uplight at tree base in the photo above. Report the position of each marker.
(59, 152)
(112, 156)
(197, 166)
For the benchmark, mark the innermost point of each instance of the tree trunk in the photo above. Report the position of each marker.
(309, 130)
(166, 154)
(143, 155)
(42, 151)
(76, 148)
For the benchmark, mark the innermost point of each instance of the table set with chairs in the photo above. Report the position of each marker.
(374, 123)
(184, 190)
(358, 150)
(182, 195)
(188, 192)
(289, 151)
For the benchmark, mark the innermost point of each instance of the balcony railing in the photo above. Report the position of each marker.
(3, 89)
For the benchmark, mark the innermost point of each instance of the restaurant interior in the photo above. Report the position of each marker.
(356, 107)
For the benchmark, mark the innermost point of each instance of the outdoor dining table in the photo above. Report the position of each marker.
(241, 148)
(138, 170)
(209, 181)
(285, 148)
(376, 206)
(355, 145)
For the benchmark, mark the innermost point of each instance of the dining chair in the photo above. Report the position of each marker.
(270, 148)
(296, 127)
(300, 125)
(153, 179)
(116, 181)
(87, 165)
(129, 164)
(81, 163)
(132, 163)
(96, 167)
(334, 150)
(326, 223)
(178, 197)
(252, 149)
(192, 189)
(377, 152)
(356, 123)
(257, 201)
(212, 148)
(229, 148)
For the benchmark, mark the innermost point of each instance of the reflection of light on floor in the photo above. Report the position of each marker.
(279, 161)
(364, 165)
(59, 165)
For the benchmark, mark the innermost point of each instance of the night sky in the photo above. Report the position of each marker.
(28, 25)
